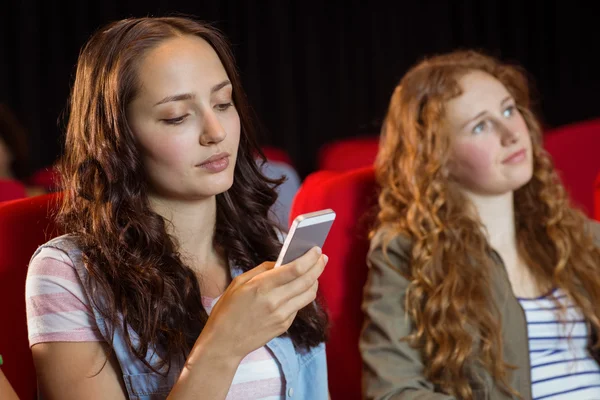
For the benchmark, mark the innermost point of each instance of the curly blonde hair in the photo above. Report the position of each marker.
(448, 298)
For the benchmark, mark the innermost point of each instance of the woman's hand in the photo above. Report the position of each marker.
(262, 303)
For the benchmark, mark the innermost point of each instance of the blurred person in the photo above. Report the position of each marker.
(483, 280)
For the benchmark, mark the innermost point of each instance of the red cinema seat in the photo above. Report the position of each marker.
(353, 196)
(11, 190)
(277, 155)
(347, 154)
(25, 224)
(575, 150)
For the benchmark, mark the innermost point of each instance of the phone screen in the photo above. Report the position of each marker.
(305, 237)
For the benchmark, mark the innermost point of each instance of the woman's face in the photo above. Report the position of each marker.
(491, 150)
(184, 120)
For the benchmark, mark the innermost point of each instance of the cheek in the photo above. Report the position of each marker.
(232, 126)
(473, 163)
(165, 150)
(473, 156)
(521, 127)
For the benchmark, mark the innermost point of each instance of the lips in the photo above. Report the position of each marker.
(212, 159)
(515, 157)
(215, 164)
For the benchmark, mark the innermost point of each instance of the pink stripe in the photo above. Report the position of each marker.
(206, 302)
(258, 355)
(84, 335)
(257, 389)
(44, 304)
(52, 267)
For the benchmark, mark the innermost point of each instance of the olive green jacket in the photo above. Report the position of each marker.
(392, 369)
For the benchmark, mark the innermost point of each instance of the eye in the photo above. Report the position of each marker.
(509, 111)
(223, 106)
(480, 127)
(175, 121)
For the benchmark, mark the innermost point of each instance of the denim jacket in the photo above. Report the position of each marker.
(305, 372)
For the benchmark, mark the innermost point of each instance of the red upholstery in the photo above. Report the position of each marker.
(47, 178)
(352, 196)
(275, 154)
(347, 154)
(574, 149)
(597, 198)
(24, 225)
(11, 190)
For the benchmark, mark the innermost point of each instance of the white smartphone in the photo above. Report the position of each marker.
(307, 231)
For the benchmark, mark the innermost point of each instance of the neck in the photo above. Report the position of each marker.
(192, 224)
(497, 214)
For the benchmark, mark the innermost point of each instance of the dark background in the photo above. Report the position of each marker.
(314, 71)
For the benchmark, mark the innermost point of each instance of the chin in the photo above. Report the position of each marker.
(216, 185)
(520, 180)
(508, 184)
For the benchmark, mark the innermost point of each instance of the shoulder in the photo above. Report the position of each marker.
(594, 229)
(64, 249)
(276, 169)
(57, 305)
(49, 264)
(389, 248)
(65, 243)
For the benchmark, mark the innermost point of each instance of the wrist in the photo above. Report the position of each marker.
(214, 348)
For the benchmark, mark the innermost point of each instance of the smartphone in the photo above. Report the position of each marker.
(307, 231)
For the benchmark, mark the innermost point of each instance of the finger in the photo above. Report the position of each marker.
(290, 271)
(288, 322)
(303, 283)
(299, 302)
(246, 276)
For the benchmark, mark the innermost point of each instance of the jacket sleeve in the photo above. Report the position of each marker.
(594, 229)
(392, 369)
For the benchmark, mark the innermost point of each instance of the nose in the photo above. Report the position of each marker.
(212, 130)
(508, 134)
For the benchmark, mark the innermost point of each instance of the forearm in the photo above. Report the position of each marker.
(6, 390)
(207, 374)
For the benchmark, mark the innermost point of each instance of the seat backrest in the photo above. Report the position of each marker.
(597, 198)
(348, 154)
(277, 154)
(280, 211)
(11, 190)
(24, 225)
(47, 178)
(575, 151)
(352, 195)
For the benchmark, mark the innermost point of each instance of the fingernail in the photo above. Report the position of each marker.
(325, 258)
(319, 251)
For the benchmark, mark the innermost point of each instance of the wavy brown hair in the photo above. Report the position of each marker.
(137, 276)
(448, 299)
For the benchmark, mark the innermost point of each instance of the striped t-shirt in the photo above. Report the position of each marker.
(561, 366)
(58, 310)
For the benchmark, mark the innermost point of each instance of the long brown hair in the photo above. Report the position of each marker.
(136, 273)
(448, 297)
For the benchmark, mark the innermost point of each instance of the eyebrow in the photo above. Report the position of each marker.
(177, 97)
(191, 96)
(481, 114)
(219, 86)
